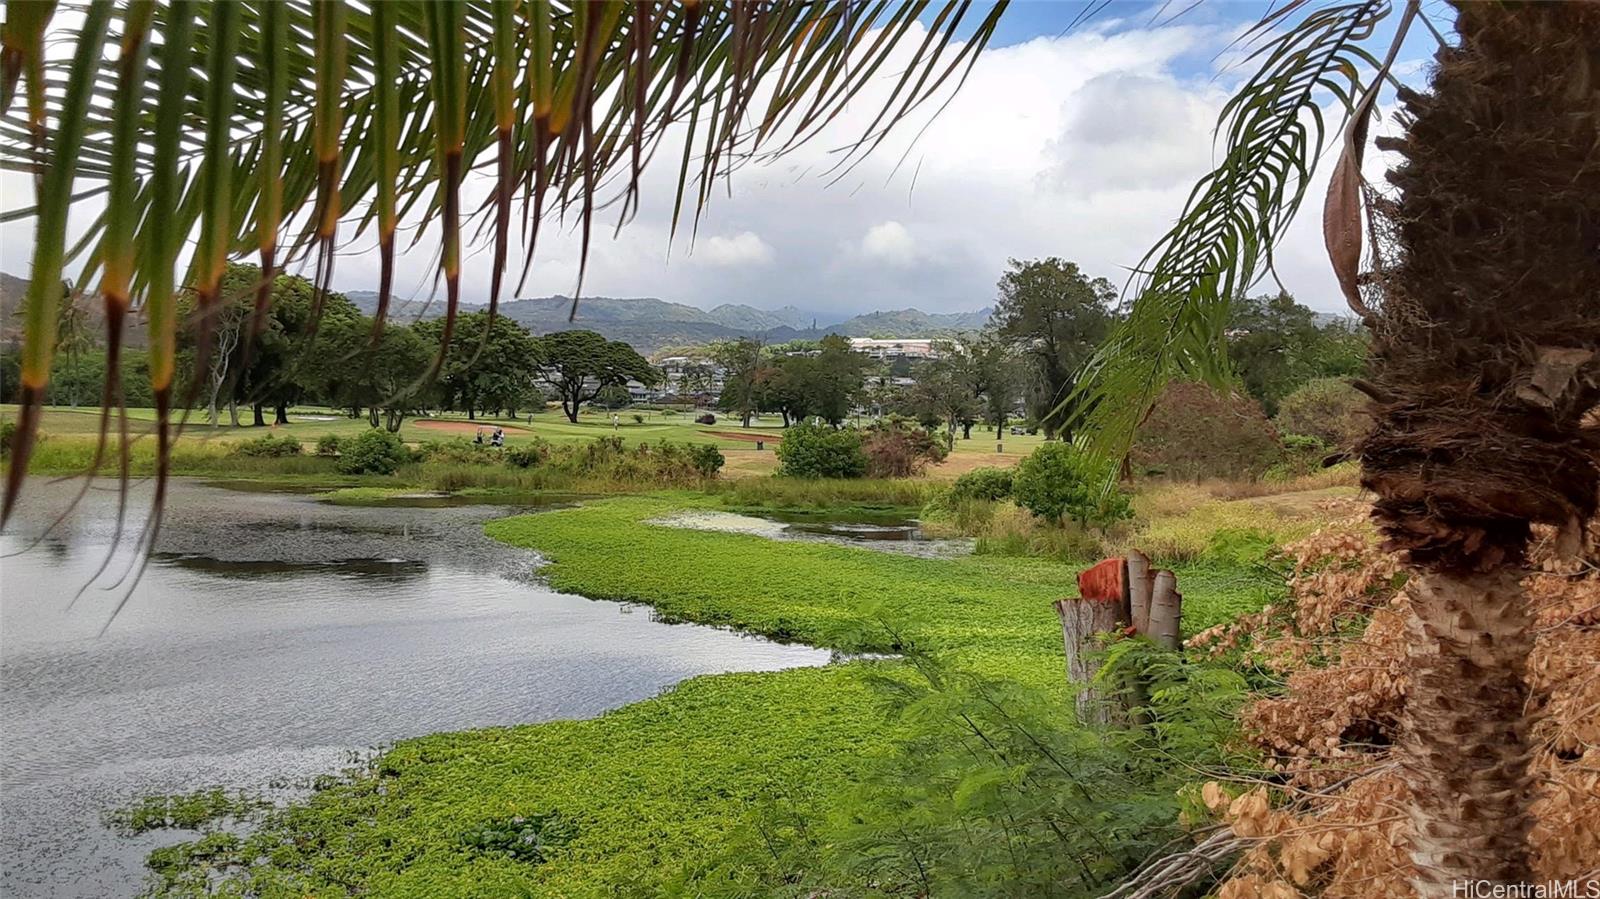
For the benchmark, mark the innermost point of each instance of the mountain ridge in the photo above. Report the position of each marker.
(649, 323)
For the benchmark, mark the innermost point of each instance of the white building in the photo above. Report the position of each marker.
(909, 348)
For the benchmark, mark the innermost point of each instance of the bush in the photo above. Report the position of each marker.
(328, 445)
(818, 451)
(528, 455)
(706, 419)
(375, 451)
(984, 483)
(706, 459)
(267, 446)
(1194, 433)
(8, 433)
(897, 451)
(1058, 483)
(457, 451)
(638, 418)
(1328, 409)
(1302, 455)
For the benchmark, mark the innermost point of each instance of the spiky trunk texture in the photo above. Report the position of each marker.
(1486, 359)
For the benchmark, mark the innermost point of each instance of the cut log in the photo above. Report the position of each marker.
(1166, 609)
(1081, 620)
(1140, 587)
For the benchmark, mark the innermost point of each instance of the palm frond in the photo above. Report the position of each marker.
(376, 110)
(1273, 132)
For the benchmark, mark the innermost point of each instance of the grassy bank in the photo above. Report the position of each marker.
(666, 796)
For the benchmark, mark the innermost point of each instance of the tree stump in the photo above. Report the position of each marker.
(1140, 588)
(1166, 610)
(1081, 619)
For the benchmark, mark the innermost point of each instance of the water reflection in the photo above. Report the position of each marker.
(388, 571)
(271, 636)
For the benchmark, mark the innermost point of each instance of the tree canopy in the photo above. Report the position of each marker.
(579, 364)
(1056, 316)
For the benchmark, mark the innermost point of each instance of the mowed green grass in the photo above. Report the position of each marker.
(663, 793)
(308, 424)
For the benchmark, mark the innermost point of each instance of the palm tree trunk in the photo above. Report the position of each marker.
(1486, 358)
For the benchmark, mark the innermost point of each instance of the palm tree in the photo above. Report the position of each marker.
(1483, 290)
(1483, 299)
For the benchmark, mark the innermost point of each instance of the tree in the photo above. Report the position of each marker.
(1056, 316)
(696, 381)
(579, 364)
(495, 377)
(387, 379)
(1484, 307)
(741, 363)
(823, 384)
(227, 319)
(288, 358)
(997, 377)
(945, 391)
(1276, 345)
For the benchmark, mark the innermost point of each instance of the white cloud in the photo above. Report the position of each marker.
(891, 243)
(744, 248)
(1083, 146)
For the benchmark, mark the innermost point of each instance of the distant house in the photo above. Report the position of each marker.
(908, 348)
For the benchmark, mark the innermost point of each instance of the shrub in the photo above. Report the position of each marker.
(705, 419)
(267, 446)
(328, 445)
(897, 451)
(375, 451)
(638, 418)
(984, 483)
(1302, 455)
(1058, 483)
(8, 433)
(706, 459)
(457, 451)
(818, 451)
(528, 455)
(1328, 409)
(1195, 433)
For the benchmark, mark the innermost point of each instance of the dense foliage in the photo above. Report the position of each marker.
(811, 450)
(1195, 432)
(1058, 483)
(268, 446)
(691, 793)
(1328, 409)
(1058, 315)
(1277, 345)
(375, 451)
(578, 365)
(984, 483)
(894, 450)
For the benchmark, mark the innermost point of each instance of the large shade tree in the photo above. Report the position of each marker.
(247, 126)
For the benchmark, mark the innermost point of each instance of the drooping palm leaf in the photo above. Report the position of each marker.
(297, 135)
(1272, 133)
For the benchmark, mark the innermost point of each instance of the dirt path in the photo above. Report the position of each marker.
(747, 436)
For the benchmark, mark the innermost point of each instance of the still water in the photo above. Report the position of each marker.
(273, 638)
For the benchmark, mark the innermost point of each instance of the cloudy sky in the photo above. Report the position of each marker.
(1078, 143)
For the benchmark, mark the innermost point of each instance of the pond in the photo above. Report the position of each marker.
(274, 638)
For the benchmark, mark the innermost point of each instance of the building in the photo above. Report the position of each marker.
(907, 348)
